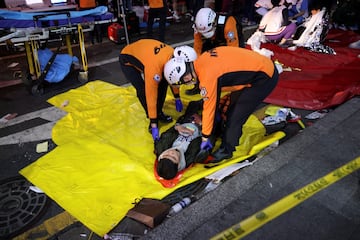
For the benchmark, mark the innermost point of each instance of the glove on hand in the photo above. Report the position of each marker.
(178, 105)
(155, 133)
(206, 145)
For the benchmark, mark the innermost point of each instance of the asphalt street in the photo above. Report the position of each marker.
(327, 209)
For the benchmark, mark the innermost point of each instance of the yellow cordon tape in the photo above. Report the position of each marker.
(260, 218)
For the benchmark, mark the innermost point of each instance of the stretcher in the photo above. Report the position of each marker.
(34, 30)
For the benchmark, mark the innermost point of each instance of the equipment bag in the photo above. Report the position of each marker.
(148, 211)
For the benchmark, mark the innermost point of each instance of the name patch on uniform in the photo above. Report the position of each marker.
(221, 19)
(157, 77)
(231, 36)
(203, 93)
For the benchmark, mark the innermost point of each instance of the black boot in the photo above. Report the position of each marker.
(221, 154)
(164, 118)
(195, 90)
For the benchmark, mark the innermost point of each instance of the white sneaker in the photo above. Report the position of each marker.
(176, 17)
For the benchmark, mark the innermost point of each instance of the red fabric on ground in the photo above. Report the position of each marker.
(324, 80)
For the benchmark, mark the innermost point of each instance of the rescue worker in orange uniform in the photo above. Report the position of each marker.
(213, 30)
(142, 63)
(247, 75)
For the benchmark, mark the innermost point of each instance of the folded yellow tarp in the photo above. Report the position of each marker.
(104, 157)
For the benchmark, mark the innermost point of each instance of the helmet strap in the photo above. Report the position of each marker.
(193, 73)
(189, 70)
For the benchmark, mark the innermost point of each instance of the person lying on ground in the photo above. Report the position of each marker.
(179, 146)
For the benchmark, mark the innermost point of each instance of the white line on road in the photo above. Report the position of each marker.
(38, 133)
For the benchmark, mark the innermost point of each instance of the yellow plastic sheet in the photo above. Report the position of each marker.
(104, 158)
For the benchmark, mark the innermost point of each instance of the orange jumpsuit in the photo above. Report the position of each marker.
(229, 36)
(148, 57)
(231, 69)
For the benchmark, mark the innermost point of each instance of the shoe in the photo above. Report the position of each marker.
(189, 15)
(164, 118)
(195, 90)
(251, 23)
(202, 156)
(244, 21)
(220, 155)
(176, 17)
(287, 43)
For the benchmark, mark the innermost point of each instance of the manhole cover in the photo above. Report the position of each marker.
(19, 206)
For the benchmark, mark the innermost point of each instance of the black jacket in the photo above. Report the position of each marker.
(168, 137)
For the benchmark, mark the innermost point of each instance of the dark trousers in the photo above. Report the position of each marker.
(197, 4)
(242, 104)
(133, 69)
(161, 13)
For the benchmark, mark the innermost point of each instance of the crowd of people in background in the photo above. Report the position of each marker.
(342, 14)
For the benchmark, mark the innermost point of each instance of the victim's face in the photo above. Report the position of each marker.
(172, 154)
(188, 79)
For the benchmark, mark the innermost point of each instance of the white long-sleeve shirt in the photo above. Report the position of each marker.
(272, 21)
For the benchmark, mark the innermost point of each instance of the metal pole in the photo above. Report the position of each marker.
(121, 13)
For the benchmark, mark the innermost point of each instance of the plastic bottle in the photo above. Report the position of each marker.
(180, 206)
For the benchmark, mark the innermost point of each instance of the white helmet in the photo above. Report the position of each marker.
(185, 52)
(174, 70)
(205, 22)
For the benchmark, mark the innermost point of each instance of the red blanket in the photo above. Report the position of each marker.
(323, 80)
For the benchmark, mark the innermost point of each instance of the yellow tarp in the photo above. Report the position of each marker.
(104, 158)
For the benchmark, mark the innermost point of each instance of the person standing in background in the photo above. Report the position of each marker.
(85, 4)
(213, 29)
(197, 5)
(175, 11)
(249, 13)
(128, 6)
(158, 8)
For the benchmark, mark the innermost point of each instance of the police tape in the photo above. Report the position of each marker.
(260, 218)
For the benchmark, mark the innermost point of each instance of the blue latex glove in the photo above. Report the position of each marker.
(155, 133)
(206, 145)
(178, 105)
